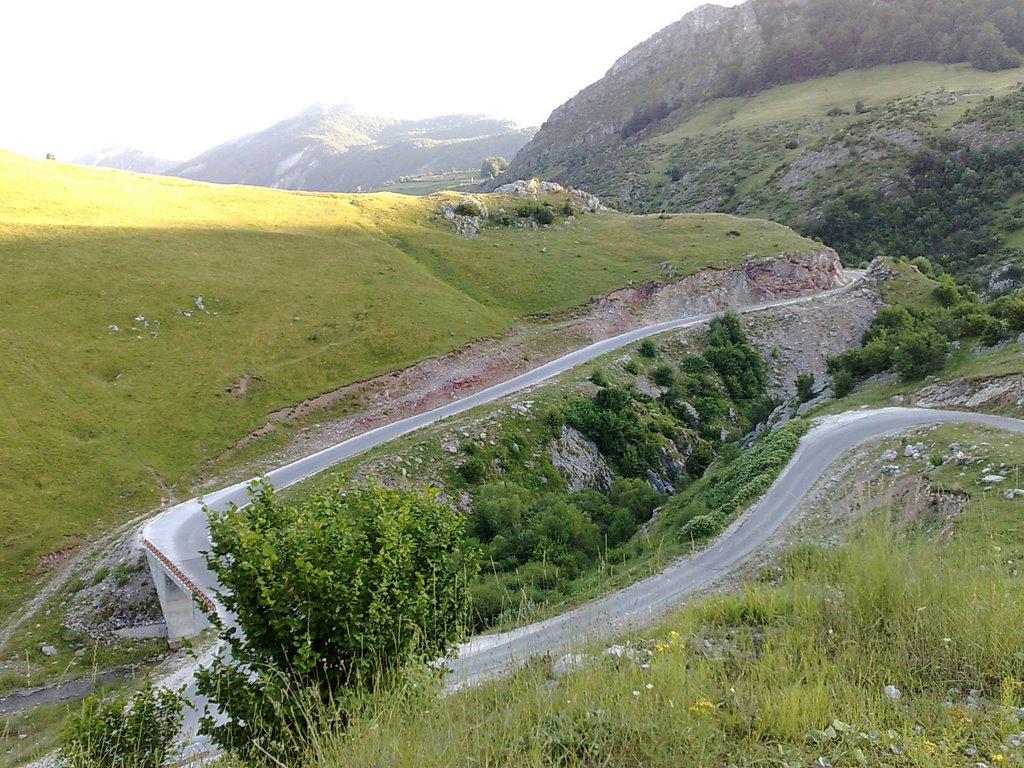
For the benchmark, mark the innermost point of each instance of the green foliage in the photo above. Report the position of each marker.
(940, 209)
(725, 491)
(332, 595)
(842, 382)
(914, 342)
(742, 370)
(612, 422)
(648, 349)
(543, 541)
(702, 526)
(663, 375)
(598, 377)
(493, 166)
(804, 386)
(130, 730)
(835, 35)
(541, 213)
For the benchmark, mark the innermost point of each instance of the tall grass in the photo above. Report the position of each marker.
(784, 672)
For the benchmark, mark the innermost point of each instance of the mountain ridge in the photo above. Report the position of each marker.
(335, 149)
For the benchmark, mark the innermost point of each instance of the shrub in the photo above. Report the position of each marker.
(598, 377)
(334, 595)
(804, 386)
(136, 730)
(472, 470)
(702, 526)
(648, 349)
(842, 382)
(663, 375)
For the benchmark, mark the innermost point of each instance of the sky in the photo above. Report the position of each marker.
(176, 78)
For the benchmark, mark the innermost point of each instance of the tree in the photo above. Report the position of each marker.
(136, 730)
(990, 52)
(332, 595)
(493, 166)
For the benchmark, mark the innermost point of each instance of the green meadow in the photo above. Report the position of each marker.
(115, 379)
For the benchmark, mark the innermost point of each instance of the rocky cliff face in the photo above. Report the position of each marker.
(675, 68)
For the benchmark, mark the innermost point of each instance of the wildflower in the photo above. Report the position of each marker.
(999, 757)
(636, 693)
(649, 686)
(959, 714)
(673, 634)
(929, 747)
(702, 707)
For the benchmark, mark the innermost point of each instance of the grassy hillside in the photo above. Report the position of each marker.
(115, 381)
(799, 153)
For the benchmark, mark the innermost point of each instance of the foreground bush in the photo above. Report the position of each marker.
(335, 595)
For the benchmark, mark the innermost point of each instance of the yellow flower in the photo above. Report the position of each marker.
(702, 707)
(929, 747)
(999, 758)
(960, 714)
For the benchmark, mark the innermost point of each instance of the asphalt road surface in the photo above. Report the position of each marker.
(181, 532)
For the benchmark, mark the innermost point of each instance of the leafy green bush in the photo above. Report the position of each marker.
(702, 526)
(335, 594)
(663, 375)
(131, 730)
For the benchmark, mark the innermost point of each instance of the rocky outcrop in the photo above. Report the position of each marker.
(989, 392)
(580, 462)
(795, 340)
(795, 273)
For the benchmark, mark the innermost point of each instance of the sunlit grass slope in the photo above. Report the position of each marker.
(112, 374)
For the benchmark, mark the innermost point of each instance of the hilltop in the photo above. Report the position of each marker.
(764, 109)
(334, 149)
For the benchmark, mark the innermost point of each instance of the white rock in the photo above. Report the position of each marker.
(889, 455)
(199, 302)
(568, 664)
(993, 479)
(893, 692)
(48, 650)
(1012, 493)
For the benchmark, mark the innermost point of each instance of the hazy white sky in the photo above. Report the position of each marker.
(176, 78)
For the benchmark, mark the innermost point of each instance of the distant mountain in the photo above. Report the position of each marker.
(336, 150)
(833, 116)
(127, 159)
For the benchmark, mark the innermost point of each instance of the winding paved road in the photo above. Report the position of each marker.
(181, 532)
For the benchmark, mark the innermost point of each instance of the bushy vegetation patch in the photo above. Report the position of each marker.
(835, 35)
(336, 594)
(704, 508)
(913, 340)
(943, 208)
